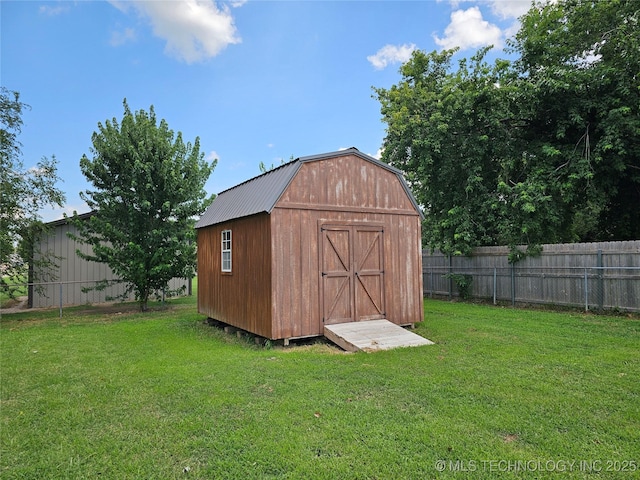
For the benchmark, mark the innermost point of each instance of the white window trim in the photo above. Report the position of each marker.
(226, 250)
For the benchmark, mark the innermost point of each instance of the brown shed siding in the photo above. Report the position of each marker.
(345, 190)
(404, 261)
(277, 287)
(243, 297)
(349, 183)
(295, 271)
(296, 275)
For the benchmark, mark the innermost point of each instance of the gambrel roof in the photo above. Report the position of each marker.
(260, 194)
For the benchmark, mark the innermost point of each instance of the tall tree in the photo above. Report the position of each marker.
(582, 59)
(148, 188)
(543, 149)
(453, 134)
(23, 193)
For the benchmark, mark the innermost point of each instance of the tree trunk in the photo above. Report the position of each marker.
(144, 300)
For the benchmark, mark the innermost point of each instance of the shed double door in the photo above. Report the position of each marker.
(352, 273)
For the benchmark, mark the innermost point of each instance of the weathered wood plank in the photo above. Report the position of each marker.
(372, 335)
(556, 276)
(241, 298)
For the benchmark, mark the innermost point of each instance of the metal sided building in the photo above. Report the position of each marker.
(323, 239)
(64, 284)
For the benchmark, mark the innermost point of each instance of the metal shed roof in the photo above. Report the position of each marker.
(261, 193)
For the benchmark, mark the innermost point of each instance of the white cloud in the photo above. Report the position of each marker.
(510, 8)
(240, 165)
(212, 155)
(504, 9)
(391, 54)
(469, 30)
(512, 30)
(121, 37)
(53, 10)
(195, 30)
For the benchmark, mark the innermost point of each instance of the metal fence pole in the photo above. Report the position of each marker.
(431, 282)
(586, 292)
(60, 299)
(600, 292)
(513, 284)
(495, 285)
(450, 277)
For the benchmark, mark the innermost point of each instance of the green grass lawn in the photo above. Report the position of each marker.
(503, 393)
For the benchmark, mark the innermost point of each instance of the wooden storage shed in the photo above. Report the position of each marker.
(323, 239)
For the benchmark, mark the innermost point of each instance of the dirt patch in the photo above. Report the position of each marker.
(116, 309)
(101, 309)
(15, 305)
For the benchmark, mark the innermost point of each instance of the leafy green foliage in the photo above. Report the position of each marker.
(148, 188)
(463, 282)
(23, 193)
(264, 168)
(540, 150)
(582, 60)
(450, 133)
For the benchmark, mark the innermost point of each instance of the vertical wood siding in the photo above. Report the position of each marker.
(347, 182)
(556, 276)
(297, 281)
(243, 297)
(345, 190)
(275, 288)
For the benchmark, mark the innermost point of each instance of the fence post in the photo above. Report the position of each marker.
(450, 278)
(600, 281)
(495, 286)
(60, 299)
(431, 282)
(586, 292)
(513, 284)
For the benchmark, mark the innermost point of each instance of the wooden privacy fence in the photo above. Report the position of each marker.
(602, 275)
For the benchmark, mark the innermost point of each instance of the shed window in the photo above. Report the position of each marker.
(226, 250)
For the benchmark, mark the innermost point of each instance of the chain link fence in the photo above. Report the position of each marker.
(60, 294)
(593, 276)
(591, 288)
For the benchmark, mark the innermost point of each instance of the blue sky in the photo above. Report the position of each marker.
(257, 81)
